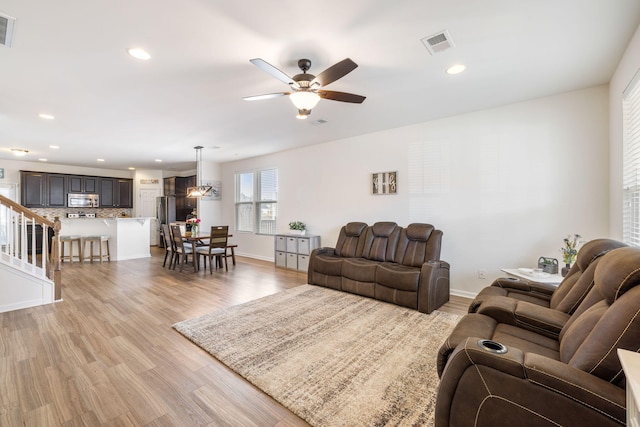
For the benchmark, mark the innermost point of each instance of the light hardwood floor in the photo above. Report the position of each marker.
(107, 354)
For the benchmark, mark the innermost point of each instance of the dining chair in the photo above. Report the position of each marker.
(169, 247)
(217, 247)
(182, 250)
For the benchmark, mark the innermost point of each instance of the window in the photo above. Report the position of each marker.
(631, 163)
(257, 201)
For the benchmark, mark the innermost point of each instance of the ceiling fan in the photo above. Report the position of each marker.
(307, 88)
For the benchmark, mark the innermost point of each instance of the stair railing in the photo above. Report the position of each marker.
(30, 242)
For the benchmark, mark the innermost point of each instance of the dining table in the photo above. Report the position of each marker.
(198, 239)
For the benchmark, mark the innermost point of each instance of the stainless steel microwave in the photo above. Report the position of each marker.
(78, 200)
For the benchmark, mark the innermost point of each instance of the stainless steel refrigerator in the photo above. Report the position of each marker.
(166, 212)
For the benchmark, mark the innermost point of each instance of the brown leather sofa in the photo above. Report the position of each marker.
(494, 373)
(386, 262)
(543, 308)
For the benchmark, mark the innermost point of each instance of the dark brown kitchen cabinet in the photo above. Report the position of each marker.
(124, 190)
(106, 190)
(177, 186)
(82, 184)
(41, 190)
(116, 193)
(56, 190)
(32, 193)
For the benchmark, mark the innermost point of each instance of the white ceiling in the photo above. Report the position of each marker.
(69, 59)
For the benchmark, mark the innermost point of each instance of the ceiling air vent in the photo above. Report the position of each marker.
(438, 42)
(6, 29)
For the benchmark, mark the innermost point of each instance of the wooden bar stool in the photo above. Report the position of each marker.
(70, 240)
(99, 240)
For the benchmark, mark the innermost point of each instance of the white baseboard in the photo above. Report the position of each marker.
(464, 294)
(22, 304)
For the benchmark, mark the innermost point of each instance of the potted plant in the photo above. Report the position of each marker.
(297, 227)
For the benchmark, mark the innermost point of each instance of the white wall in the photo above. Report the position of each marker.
(627, 68)
(210, 211)
(12, 170)
(506, 185)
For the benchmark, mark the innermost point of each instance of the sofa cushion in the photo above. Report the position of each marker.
(398, 276)
(359, 269)
(328, 264)
(618, 272)
(351, 240)
(381, 241)
(412, 245)
(577, 284)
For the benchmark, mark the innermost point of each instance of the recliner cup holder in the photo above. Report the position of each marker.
(492, 346)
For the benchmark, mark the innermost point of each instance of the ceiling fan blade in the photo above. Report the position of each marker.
(341, 96)
(334, 72)
(270, 69)
(265, 96)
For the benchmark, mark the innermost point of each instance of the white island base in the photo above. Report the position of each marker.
(129, 238)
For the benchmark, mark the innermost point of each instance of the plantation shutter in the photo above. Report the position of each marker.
(631, 163)
(267, 205)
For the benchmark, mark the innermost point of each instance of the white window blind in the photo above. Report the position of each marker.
(244, 201)
(631, 163)
(257, 201)
(267, 205)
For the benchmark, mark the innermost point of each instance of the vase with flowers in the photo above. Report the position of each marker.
(192, 223)
(570, 251)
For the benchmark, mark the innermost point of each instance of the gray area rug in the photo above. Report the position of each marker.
(332, 358)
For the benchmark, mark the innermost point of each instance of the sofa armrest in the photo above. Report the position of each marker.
(522, 314)
(323, 250)
(433, 289)
(482, 388)
(517, 284)
(513, 285)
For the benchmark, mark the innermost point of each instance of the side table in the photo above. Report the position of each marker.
(631, 366)
(529, 274)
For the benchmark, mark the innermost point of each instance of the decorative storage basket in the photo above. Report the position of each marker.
(548, 265)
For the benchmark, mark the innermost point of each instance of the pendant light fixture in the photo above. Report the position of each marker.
(199, 190)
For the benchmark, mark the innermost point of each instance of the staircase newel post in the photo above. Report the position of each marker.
(54, 264)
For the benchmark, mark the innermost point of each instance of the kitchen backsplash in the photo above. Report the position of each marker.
(100, 212)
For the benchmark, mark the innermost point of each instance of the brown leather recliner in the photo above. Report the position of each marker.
(325, 264)
(565, 297)
(386, 262)
(497, 374)
(417, 266)
(546, 316)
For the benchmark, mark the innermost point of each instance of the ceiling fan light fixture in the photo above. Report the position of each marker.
(304, 100)
(303, 114)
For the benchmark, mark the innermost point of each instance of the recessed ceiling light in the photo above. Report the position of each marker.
(132, 168)
(158, 160)
(54, 147)
(100, 160)
(43, 160)
(19, 152)
(46, 116)
(139, 53)
(456, 69)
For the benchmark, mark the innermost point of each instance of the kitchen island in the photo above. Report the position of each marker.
(129, 238)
